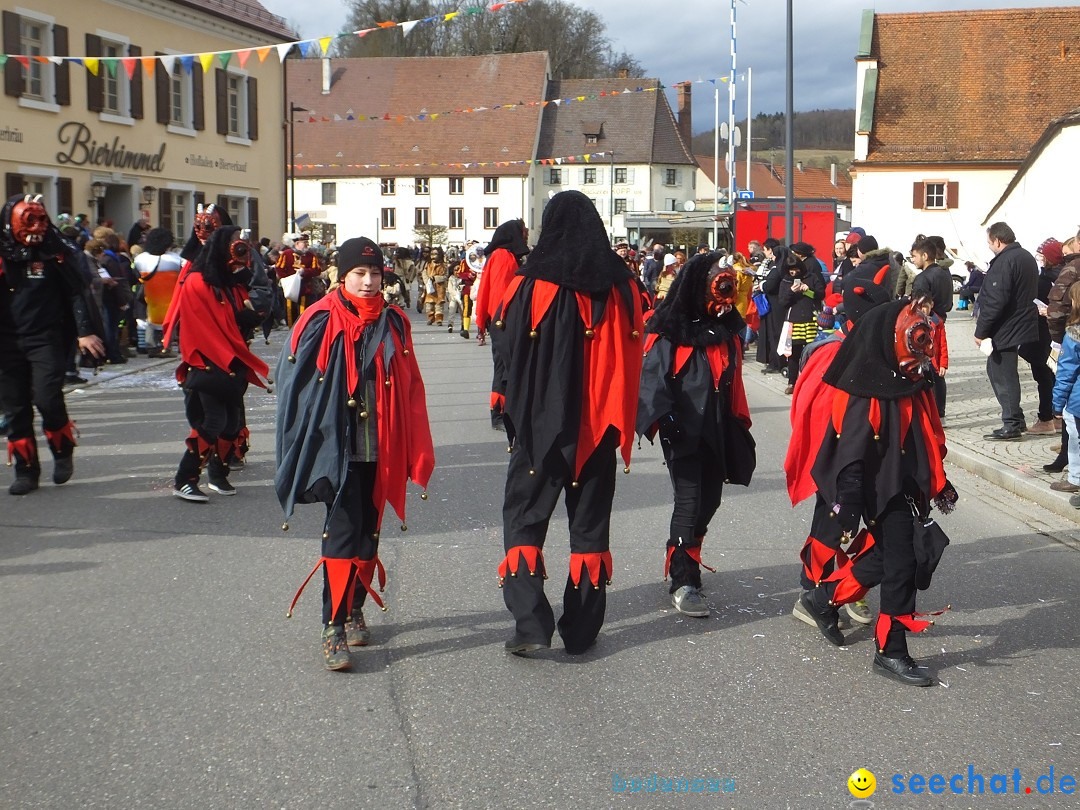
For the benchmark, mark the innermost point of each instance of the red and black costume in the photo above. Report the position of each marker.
(291, 261)
(504, 253)
(692, 395)
(569, 337)
(44, 306)
(874, 453)
(209, 310)
(352, 429)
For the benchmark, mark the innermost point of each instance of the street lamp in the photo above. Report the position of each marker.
(97, 189)
(148, 193)
(293, 110)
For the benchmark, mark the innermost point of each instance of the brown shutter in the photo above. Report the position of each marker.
(253, 108)
(13, 183)
(165, 209)
(136, 83)
(95, 85)
(221, 87)
(952, 195)
(918, 195)
(162, 91)
(13, 79)
(223, 204)
(198, 198)
(65, 201)
(198, 118)
(62, 72)
(253, 217)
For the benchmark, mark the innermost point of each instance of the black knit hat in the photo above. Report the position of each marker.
(357, 251)
(867, 244)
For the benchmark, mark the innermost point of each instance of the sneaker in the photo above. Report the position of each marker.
(335, 649)
(450, 328)
(1044, 426)
(825, 621)
(801, 613)
(858, 611)
(1064, 485)
(221, 486)
(519, 646)
(356, 630)
(689, 601)
(190, 492)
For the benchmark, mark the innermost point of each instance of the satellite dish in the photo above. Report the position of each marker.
(738, 136)
(724, 130)
(689, 206)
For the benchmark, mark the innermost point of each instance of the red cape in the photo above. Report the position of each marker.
(811, 411)
(499, 269)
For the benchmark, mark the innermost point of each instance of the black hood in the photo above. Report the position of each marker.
(213, 259)
(681, 316)
(865, 364)
(193, 245)
(509, 235)
(573, 250)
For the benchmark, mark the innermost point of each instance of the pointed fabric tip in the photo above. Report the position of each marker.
(263, 52)
(148, 64)
(283, 50)
(324, 43)
(242, 56)
(92, 64)
(387, 24)
(408, 26)
(110, 66)
(188, 63)
(206, 60)
(224, 58)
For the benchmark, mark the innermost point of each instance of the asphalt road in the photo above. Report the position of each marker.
(145, 658)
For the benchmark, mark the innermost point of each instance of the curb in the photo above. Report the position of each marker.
(97, 379)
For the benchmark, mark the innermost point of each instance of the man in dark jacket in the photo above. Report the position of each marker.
(1007, 316)
(1058, 304)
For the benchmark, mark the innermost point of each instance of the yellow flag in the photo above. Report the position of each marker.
(324, 43)
(206, 59)
(92, 64)
(450, 16)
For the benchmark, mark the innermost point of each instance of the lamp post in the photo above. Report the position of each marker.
(97, 189)
(789, 154)
(148, 193)
(293, 110)
(611, 197)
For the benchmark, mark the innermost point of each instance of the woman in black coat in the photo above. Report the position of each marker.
(772, 323)
(802, 289)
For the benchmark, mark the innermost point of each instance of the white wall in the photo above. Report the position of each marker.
(882, 205)
(1043, 203)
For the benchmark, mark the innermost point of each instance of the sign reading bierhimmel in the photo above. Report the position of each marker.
(83, 150)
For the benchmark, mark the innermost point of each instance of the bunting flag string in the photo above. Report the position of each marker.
(350, 116)
(308, 48)
(482, 164)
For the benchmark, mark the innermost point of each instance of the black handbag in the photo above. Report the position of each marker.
(930, 541)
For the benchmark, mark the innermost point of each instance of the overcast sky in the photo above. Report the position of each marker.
(668, 38)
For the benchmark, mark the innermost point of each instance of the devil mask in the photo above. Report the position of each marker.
(207, 220)
(914, 342)
(719, 291)
(29, 221)
(239, 256)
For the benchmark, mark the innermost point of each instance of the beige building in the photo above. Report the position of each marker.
(144, 134)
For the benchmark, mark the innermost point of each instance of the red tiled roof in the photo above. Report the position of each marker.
(413, 85)
(816, 183)
(249, 13)
(971, 86)
(763, 182)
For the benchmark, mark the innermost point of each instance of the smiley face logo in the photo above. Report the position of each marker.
(862, 784)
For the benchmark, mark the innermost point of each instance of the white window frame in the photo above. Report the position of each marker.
(928, 195)
(122, 114)
(186, 82)
(457, 219)
(47, 101)
(457, 185)
(491, 185)
(625, 176)
(423, 185)
(182, 203)
(242, 124)
(554, 177)
(589, 176)
(421, 216)
(623, 208)
(332, 188)
(491, 218)
(387, 186)
(388, 219)
(47, 179)
(671, 177)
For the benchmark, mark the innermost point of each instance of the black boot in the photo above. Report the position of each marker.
(894, 661)
(62, 443)
(584, 607)
(23, 453)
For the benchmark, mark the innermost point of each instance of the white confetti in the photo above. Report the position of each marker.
(759, 635)
(961, 669)
(944, 685)
(1042, 600)
(806, 659)
(907, 710)
(1055, 743)
(1035, 693)
(942, 650)
(692, 642)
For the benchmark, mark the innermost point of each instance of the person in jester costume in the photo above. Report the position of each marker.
(352, 429)
(570, 340)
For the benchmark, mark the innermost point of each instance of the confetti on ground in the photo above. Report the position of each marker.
(759, 635)
(944, 684)
(907, 710)
(1055, 743)
(961, 669)
(1035, 693)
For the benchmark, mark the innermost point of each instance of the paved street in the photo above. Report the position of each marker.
(145, 658)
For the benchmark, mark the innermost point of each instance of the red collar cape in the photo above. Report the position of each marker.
(210, 333)
(317, 377)
(499, 269)
(811, 412)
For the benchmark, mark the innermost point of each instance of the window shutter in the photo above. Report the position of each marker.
(223, 204)
(253, 217)
(13, 79)
(253, 108)
(136, 84)
(13, 182)
(95, 85)
(165, 209)
(162, 91)
(629, 175)
(581, 177)
(198, 198)
(952, 195)
(600, 176)
(198, 118)
(918, 195)
(62, 72)
(65, 201)
(221, 87)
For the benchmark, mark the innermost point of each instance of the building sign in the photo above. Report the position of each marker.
(11, 134)
(82, 150)
(216, 163)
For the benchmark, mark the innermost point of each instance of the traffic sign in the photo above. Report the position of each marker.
(745, 195)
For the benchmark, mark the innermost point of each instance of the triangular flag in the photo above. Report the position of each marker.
(450, 16)
(558, 161)
(497, 6)
(167, 62)
(3, 60)
(91, 64)
(406, 27)
(473, 10)
(148, 63)
(206, 59)
(242, 56)
(365, 32)
(56, 60)
(556, 101)
(337, 117)
(387, 24)
(224, 58)
(305, 47)
(110, 65)
(324, 43)
(283, 49)
(188, 62)
(587, 158)
(263, 52)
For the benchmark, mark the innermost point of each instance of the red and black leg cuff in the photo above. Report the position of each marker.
(511, 564)
(911, 622)
(693, 552)
(22, 451)
(62, 441)
(595, 563)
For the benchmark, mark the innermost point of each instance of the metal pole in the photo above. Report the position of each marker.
(611, 197)
(376, 230)
(292, 167)
(716, 169)
(749, 140)
(731, 120)
(789, 128)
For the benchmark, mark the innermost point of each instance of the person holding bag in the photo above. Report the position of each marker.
(802, 289)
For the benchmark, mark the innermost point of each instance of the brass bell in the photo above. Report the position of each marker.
(292, 358)
(374, 535)
(509, 449)
(364, 414)
(320, 379)
(626, 470)
(423, 495)
(575, 484)
(589, 333)
(351, 403)
(285, 526)
(387, 383)
(532, 472)
(404, 528)
(269, 381)
(406, 352)
(877, 437)
(500, 324)
(534, 334)
(326, 535)
(635, 334)
(232, 373)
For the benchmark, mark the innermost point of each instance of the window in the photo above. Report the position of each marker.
(389, 218)
(936, 195)
(33, 35)
(590, 139)
(670, 204)
(491, 185)
(234, 205)
(114, 79)
(589, 177)
(554, 177)
(181, 205)
(387, 185)
(329, 193)
(620, 177)
(457, 185)
(423, 216)
(179, 97)
(491, 218)
(594, 201)
(457, 218)
(234, 96)
(423, 186)
(620, 205)
(671, 177)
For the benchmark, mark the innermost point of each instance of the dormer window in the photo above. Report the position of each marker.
(593, 131)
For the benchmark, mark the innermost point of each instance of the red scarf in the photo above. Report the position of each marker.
(368, 307)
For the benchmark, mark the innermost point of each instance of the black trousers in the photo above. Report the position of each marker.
(819, 552)
(1001, 368)
(1035, 354)
(32, 376)
(213, 418)
(698, 487)
(351, 532)
(530, 498)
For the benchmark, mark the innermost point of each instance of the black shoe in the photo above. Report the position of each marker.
(1054, 468)
(190, 492)
(902, 669)
(464, 333)
(335, 649)
(23, 485)
(62, 470)
(826, 621)
(117, 361)
(770, 370)
(73, 379)
(519, 646)
(1004, 436)
(221, 486)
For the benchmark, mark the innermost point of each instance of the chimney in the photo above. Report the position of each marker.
(326, 75)
(684, 119)
(624, 73)
(832, 173)
(798, 165)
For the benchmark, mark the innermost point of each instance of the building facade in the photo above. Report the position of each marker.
(137, 125)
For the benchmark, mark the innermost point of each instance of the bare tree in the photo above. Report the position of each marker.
(430, 235)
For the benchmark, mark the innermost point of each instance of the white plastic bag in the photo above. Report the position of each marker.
(783, 347)
(290, 286)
